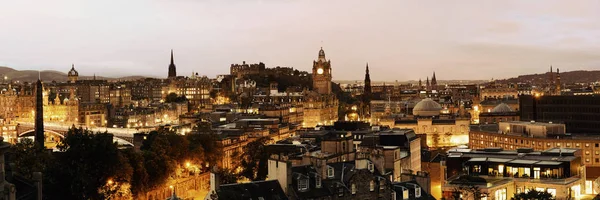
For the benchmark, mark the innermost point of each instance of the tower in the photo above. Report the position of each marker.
(420, 84)
(39, 115)
(322, 74)
(73, 74)
(558, 82)
(427, 85)
(433, 82)
(366, 97)
(172, 70)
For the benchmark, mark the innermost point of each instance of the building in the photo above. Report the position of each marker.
(196, 90)
(120, 95)
(501, 113)
(320, 105)
(321, 73)
(241, 70)
(93, 91)
(540, 136)
(503, 173)
(73, 75)
(580, 114)
(440, 130)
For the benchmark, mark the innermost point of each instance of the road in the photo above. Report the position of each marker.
(119, 132)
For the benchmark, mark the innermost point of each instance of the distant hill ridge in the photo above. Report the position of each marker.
(579, 76)
(49, 75)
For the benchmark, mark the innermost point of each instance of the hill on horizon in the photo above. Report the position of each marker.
(579, 76)
(49, 75)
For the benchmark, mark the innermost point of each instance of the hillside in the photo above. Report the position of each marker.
(48, 75)
(565, 77)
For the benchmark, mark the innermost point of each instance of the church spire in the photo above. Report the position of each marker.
(172, 69)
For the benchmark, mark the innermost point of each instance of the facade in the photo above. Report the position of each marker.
(503, 173)
(241, 70)
(440, 130)
(321, 73)
(120, 95)
(93, 91)
(580, 114)
(196, 90)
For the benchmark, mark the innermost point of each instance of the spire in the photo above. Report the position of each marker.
(72, 66)
(172, 69)
(94, 76)
(172, 57)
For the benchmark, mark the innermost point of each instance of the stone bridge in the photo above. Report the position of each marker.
(120, 135)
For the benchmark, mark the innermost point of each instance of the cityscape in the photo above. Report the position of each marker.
(272, 130)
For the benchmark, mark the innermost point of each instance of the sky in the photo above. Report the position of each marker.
(401, 40)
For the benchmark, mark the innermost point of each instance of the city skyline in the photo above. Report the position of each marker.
(410, 39)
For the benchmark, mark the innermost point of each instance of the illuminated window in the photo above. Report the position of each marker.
(587, 144)
(552, 191)
(372, 186)
(354, 188)
(587, 152)
(329, 172)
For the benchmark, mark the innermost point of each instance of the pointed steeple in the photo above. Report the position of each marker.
(172, 69)
(172, 57)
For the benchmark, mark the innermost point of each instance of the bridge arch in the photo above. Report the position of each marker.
(52, 133)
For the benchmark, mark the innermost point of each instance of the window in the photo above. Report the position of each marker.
(552, 191)
(329, 172)
(381, 185)
(587, 152)
(370, 166)
(340, 191)
(417, 192)
(577, 145)
(318, 181)
(404, 193)
(587, 144)
(372, 186)
(302, 184)
(597, 160)
(587, 160)
(353, 188)
(343, 146)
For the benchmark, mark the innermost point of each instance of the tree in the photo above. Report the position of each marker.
(533, 195)
(29, 158)
(254, 160)
(206, 143)
(92, 165)
(173, 98)
(158, 164)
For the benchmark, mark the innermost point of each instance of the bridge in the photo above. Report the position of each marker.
(120, 135)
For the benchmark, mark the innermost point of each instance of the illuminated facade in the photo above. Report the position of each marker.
(503, 173)
(441, 130)
(320, 105)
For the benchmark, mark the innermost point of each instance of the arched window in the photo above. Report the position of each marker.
(372, 186)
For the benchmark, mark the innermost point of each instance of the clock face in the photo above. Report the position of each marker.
(320, 71)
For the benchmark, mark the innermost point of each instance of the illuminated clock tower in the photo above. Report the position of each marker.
(321, 74)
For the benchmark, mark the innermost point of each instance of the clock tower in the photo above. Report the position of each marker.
(321, 74)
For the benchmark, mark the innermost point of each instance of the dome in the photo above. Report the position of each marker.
(502, 108)
(427, 107)
(73, 72)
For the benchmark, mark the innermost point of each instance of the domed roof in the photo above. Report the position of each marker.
(502, 108)
(73, 72)
(427, 107)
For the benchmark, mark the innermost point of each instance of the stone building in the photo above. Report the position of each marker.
(503, 173)
(440, 130)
